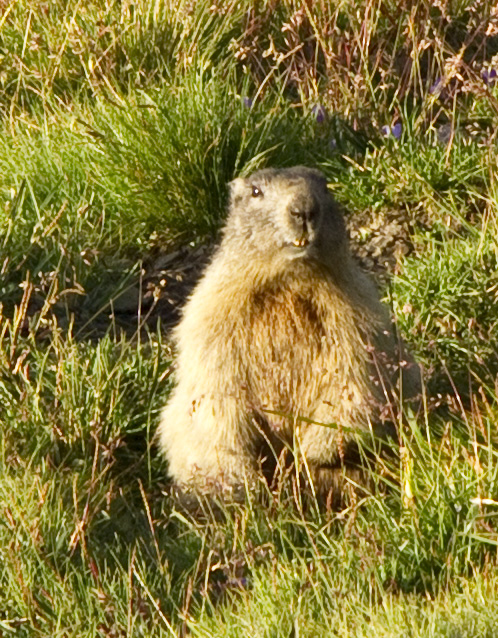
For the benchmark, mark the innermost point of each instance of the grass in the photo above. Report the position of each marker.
(121, 125)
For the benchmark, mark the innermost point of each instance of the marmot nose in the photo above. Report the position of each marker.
(304, 210)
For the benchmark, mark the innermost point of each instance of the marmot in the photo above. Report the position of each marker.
(283, 344)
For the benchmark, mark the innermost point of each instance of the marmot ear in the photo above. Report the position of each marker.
(318, 175)
(236, 187)
(237, 182)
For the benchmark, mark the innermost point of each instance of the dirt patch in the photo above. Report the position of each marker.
(170, 279)
(379, 239)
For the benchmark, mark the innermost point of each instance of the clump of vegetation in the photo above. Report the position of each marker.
(121, 126)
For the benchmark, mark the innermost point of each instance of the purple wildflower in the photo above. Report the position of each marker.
(436, 88)
(320, 113)
(396, 130)
(248, 102)
(489, 76)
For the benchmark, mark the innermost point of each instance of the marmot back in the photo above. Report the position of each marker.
(283, 344)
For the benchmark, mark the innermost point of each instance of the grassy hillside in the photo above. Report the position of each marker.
(121, 124)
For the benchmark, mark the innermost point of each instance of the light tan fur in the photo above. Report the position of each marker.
(284, 341)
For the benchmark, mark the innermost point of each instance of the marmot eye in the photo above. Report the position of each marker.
(256, 192)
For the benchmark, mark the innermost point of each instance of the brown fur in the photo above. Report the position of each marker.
(283, 343)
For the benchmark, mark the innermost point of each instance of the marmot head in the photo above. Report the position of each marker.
(289, 210)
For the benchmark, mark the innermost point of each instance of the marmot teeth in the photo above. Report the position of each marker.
(303, 241)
